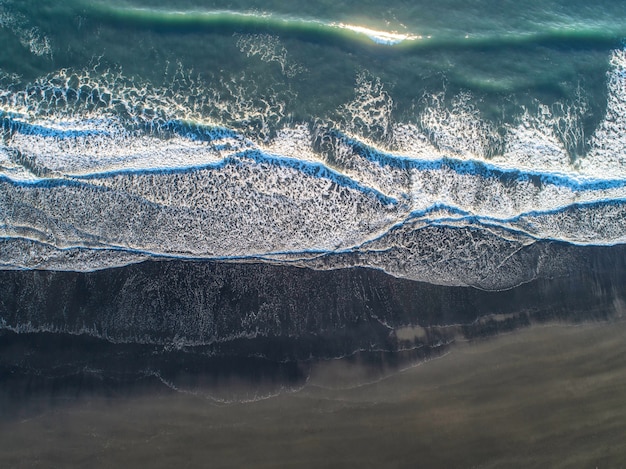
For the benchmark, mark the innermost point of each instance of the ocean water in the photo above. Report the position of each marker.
(204, 203)
(324, 135)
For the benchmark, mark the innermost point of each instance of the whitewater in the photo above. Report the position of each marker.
(101, 174)
(318, 139)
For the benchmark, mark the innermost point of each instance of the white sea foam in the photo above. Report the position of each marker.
(106, 146)
(268, 48)
(608, 144)
(29, 36)
(293, 142)
(28, 254)
(122, 173)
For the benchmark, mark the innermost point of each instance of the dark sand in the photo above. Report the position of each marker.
(550, 396)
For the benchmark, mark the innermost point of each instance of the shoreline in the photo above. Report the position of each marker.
(518, 400)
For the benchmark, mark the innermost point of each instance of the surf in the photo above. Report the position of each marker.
(81, 149)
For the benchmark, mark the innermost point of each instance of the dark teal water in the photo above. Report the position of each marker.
(502, 51)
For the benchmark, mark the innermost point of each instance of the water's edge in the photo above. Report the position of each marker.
(189, 325)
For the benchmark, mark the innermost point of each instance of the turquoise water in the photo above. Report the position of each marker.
(431, 140)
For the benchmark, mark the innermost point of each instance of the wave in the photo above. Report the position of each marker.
(141, 175)
(234, 21)
(224, 21)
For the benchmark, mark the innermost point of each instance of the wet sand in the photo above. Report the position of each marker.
(546, 396)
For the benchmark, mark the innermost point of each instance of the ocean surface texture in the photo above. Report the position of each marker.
(435, 148)
(195, 191)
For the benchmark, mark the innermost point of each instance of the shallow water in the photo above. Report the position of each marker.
(546, 396)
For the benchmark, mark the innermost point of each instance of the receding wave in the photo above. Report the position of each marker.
(94, 175)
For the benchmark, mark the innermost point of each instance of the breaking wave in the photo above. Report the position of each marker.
(95, 174)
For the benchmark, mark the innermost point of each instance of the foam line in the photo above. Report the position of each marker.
(479, 168)
(198, 132)
(316, 170)
(51, 132)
